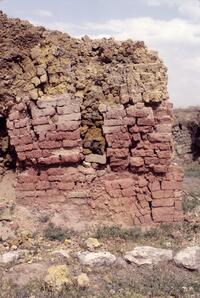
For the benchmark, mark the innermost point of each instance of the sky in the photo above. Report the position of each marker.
(171, 27)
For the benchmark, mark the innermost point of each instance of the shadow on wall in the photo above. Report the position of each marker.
(7, 152)
(194, 130)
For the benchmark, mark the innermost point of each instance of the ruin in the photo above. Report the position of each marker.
(90, 124)
(186, 134)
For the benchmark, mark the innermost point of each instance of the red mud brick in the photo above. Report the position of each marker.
(115, 114)
(125, 183)
(55, 178)
(178, 216)
(136, 161)
(178, 205)
(161, 194)
(24, 148)
(26, 186)
(50, 145)
(163, 214)
(160, 137)
(14, 116)
(128, 192)
(169, 202)
(41, 121)
(56, 171)
(27, 139)
(25, 178)
(21, 156)
(21, 123)
(49, 160)
(146, 121)
(113, 122)
(164, 128)
(142, 182)
(154, 186)
(69, 126)
(164, 154)
(71, 157)
(43, 185)
(69, 109)
(34, 154)
(160, 169)
(66, 186)
(72, 143)
(170, 185)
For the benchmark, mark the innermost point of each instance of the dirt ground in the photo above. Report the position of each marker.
(25, 277)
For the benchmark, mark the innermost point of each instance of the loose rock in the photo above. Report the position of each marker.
(96, 258)
(83, 280)
(9, 257)
(92, 243)
(188, 258)
(147, 255)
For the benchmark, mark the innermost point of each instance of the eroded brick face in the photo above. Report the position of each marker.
(132, 182)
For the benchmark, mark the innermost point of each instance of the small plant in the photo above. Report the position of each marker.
(55, 233)
(190, 203)
(44, 218)
(193, 171)
(117, 232)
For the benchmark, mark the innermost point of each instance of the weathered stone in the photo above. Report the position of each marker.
(101, 159)
(83, 280)
(61, 252)
(92, 243)
(96, 258)
(147, 255)
(9, 257)
(189, 258)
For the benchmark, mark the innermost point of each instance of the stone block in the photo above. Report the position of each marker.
(163, 214)
(136, 161)
(96, 158)
(160, 137)
(162, 194)
(169, 202)
(50, 145)
(43, 185)
(66, 186)
(23, 148)
(69, 109)
(68, 126)
(41, 121)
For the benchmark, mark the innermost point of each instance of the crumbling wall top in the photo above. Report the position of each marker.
(39, 62)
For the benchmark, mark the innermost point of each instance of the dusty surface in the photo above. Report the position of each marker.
(37, 254)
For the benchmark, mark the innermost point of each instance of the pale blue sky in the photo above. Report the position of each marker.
(171, 27)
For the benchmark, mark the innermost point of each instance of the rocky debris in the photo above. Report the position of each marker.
(83, 280)
(22, 274)
(189, 258)
(10, 257)
(61, 252)
(6, 232)
(96, 258)
(6, 211)
(92, 243)
(147, 255)
(57, 276)
(186, 134)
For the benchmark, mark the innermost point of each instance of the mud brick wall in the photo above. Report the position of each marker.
(91, 124)
(133, 182)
